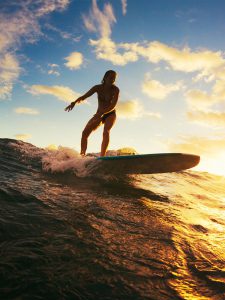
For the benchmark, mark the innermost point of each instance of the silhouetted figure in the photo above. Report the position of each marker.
(108, 95)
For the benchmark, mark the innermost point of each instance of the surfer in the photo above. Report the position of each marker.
(108, 95)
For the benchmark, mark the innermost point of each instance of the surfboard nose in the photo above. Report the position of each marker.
(195, 160)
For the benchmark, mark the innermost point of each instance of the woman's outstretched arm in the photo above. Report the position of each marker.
(82, 98)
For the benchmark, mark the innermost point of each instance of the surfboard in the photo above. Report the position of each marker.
(148, 163)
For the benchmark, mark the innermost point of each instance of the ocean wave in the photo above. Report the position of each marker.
(70, 232)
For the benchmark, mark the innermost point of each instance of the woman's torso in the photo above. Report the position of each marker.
(105, 96)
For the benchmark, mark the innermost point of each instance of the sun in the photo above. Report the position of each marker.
(215, 165)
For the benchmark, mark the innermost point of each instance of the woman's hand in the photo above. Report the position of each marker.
(72, 104)
(70, 107)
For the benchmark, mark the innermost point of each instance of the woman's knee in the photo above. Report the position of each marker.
(106, 132)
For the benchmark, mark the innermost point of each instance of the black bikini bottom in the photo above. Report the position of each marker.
(105, 116)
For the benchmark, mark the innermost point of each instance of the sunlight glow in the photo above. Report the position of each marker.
(215, 165)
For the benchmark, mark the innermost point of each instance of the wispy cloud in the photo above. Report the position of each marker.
(61, 92)
(100, 21)
(21, 25)
(23, 137)
(152, 115)
(64, 34)
(188, 15)
(9, 72)
(54, 69)
(53, 72)
(53, 65)
(44, 7)
(202, 105)
(156, 90)
(198, 145)
(208, 64)
(74, 60)
(26, 111)
(184, 60)
(198, 99)
(207, 118)
(124, 6)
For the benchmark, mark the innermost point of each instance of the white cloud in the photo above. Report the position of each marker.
(106, 49)
(89, 24)
(48, 6)
(183, 60)
(157, 90)
(54, 69)
(207, 118)
(20, 25)
(219, 89)
(63, 34)
(53, 72)
(204, 61)
(53, 65)
(130, 109)
(198, 99)
(133, 109)
(61, 92)
(124, 6)
(26, 111)
(74, 60)
(209, 65)
(198, 145)
(206, 65)
(23, 137)
(9, 72)
(201, 105)
(100, 21)
(152, 115)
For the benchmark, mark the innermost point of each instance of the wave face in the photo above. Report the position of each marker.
(67, 232)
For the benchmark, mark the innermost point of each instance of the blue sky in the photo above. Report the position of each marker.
(169, 56)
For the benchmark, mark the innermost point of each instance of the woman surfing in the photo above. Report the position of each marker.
(108, 94)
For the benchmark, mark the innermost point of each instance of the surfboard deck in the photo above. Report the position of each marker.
(149, 163)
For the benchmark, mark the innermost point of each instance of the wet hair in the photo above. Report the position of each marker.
(107, 74)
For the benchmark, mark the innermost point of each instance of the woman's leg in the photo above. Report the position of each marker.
(92, 125)
(109, 122)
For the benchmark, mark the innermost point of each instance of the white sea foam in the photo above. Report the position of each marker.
(61, 159)
(64, 159)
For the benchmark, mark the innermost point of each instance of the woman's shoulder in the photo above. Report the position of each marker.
(97, 87)
(116, 88)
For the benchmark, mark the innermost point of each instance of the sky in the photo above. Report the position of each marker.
(169, 56)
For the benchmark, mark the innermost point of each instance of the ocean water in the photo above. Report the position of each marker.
(69, 232)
